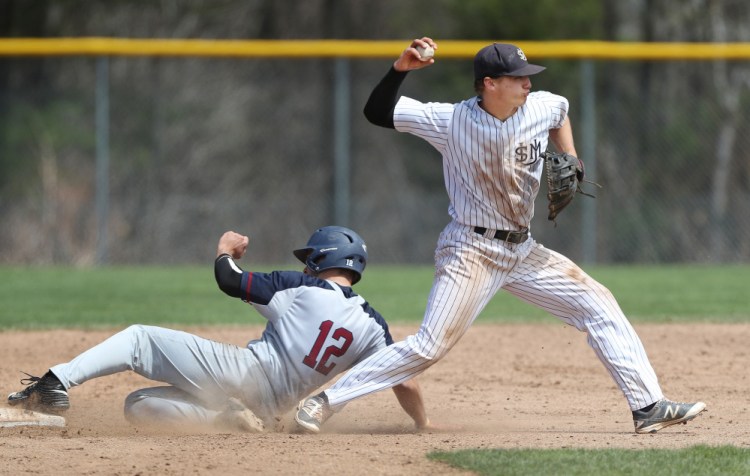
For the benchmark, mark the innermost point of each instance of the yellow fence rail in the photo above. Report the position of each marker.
(361, 49)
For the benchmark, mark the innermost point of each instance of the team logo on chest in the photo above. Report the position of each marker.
(528, 154)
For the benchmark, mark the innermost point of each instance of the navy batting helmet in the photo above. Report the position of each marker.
(334, 247)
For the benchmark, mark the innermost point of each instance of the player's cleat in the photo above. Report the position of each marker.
(665, 413)
(312, 413)
(238, 417)
(44, 393)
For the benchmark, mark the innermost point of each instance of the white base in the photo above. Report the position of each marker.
(12, 417)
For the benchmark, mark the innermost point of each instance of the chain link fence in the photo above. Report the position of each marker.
(199, 145)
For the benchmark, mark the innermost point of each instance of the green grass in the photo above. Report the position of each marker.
(698, 460)
(117, 296)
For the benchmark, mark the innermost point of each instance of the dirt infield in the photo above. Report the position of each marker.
(503, 386)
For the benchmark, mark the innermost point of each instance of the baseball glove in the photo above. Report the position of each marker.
(564, 176)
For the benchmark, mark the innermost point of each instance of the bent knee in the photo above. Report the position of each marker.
(147, 404)
(432, 354)
(137, 408)
(429, 350)
(138, 329)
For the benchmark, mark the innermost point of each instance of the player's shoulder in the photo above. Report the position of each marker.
(282, 280)
(406, 103)
(351, 295)
(469, 103)
(294, 279)
(547, 102)
(367, 309)
(546, 97)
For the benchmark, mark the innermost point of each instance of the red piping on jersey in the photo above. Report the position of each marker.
(249, 282)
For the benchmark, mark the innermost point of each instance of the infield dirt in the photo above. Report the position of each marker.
(502, 386)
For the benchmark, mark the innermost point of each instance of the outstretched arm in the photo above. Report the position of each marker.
(409, 395)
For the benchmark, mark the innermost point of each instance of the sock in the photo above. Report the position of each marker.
(647, 408)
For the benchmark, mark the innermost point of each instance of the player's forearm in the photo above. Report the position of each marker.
(228, 275)
(409, 395)
(383, 99)
(563, 138)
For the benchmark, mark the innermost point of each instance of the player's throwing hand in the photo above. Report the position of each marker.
(410, 59)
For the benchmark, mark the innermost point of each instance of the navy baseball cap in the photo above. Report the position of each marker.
(503, 59)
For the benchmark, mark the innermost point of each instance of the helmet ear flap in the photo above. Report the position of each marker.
(314, 260)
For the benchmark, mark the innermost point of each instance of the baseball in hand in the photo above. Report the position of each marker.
(425, 53)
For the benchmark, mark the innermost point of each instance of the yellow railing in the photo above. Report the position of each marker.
(361, 49)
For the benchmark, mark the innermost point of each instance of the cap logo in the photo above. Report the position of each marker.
(521, 55)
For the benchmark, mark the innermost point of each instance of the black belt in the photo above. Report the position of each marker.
(505, 235)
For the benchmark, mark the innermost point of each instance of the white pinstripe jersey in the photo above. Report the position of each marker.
(492, 168)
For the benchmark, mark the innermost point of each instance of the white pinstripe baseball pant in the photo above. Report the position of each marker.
(470, 270)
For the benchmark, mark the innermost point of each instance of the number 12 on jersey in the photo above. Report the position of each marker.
(322, 366)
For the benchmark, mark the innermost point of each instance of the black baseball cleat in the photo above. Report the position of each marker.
(45, 393)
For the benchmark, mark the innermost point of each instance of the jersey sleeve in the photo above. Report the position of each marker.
(428, 121)
(557, 107)
(260, 288)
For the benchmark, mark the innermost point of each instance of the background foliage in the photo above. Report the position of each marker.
(202, 145)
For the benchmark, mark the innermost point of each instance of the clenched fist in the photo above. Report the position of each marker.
(233, 244)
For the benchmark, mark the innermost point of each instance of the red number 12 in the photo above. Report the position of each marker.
(311, 359)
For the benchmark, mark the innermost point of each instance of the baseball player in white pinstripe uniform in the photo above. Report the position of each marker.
(491, 146)
(317, 328)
